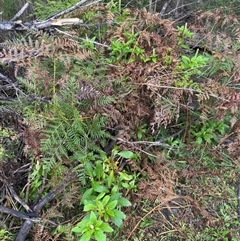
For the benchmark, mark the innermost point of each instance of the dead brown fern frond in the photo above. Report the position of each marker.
(41, 233)
(216, 17)
(24, 52)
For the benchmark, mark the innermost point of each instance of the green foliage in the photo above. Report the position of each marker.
(129, 50)
(92, 227)
(43, 9)
(220, 67)
(141, 131)
(183, 34)
(8, 142)
(73, 130)
(9, 8)
(68, 132)
(209, 131)
(193, 64)
(188, 66)
(103, 200)
(5, 235)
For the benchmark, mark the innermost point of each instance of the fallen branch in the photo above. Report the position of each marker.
(18, 214)
(37, 208)
(33, 213)
(20, 12)
(53, 21)
(152, 143)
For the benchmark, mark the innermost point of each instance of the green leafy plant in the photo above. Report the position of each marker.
(8, 141)
(5, 235)
(183, 34)
(141, 131)
(129, 50)
(209, 131)
(103, 200)
(189, 67)
(92, 226)
(193, 64)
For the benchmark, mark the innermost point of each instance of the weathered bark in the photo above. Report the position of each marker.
(25, 229)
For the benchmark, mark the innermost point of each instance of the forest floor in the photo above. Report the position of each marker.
(177, 114)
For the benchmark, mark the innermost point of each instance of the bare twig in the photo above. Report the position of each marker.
(71, 9)
(164, 8)
(89, 40)
(152, 143)
(20, 12)
(18, 199)
(179, 7)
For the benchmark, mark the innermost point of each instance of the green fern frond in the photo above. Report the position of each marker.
(68, 132)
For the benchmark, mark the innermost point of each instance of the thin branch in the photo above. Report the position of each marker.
(49, 197)
(20, 12)
(177, 8)
(152, 143)
(89, 40)
(71, 9)
(18, 214)
(10, 84)
(186, 89)
(164, 8)
(18, 199)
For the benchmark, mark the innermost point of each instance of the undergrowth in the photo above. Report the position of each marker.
(144, 113)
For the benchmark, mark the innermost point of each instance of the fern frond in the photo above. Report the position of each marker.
(69, 133)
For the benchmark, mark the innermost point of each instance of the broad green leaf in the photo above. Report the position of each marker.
(105, 227)
(99, 188)
(199, 140)
(123, 202)
(77, 230)
(89, 207)
(100, 196)
(93, 217)
(110, 213)
(185, 59)
(86, 236)
(125, 185)
(118, 218)
(99, 169)
(87, 195)
(112, 205)
(115, 196)
(125, 176)
(111, 179)
(99, 235)
(105, 217)
(105, 200)
(126, 154)
(114, 190)
(99, 205)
